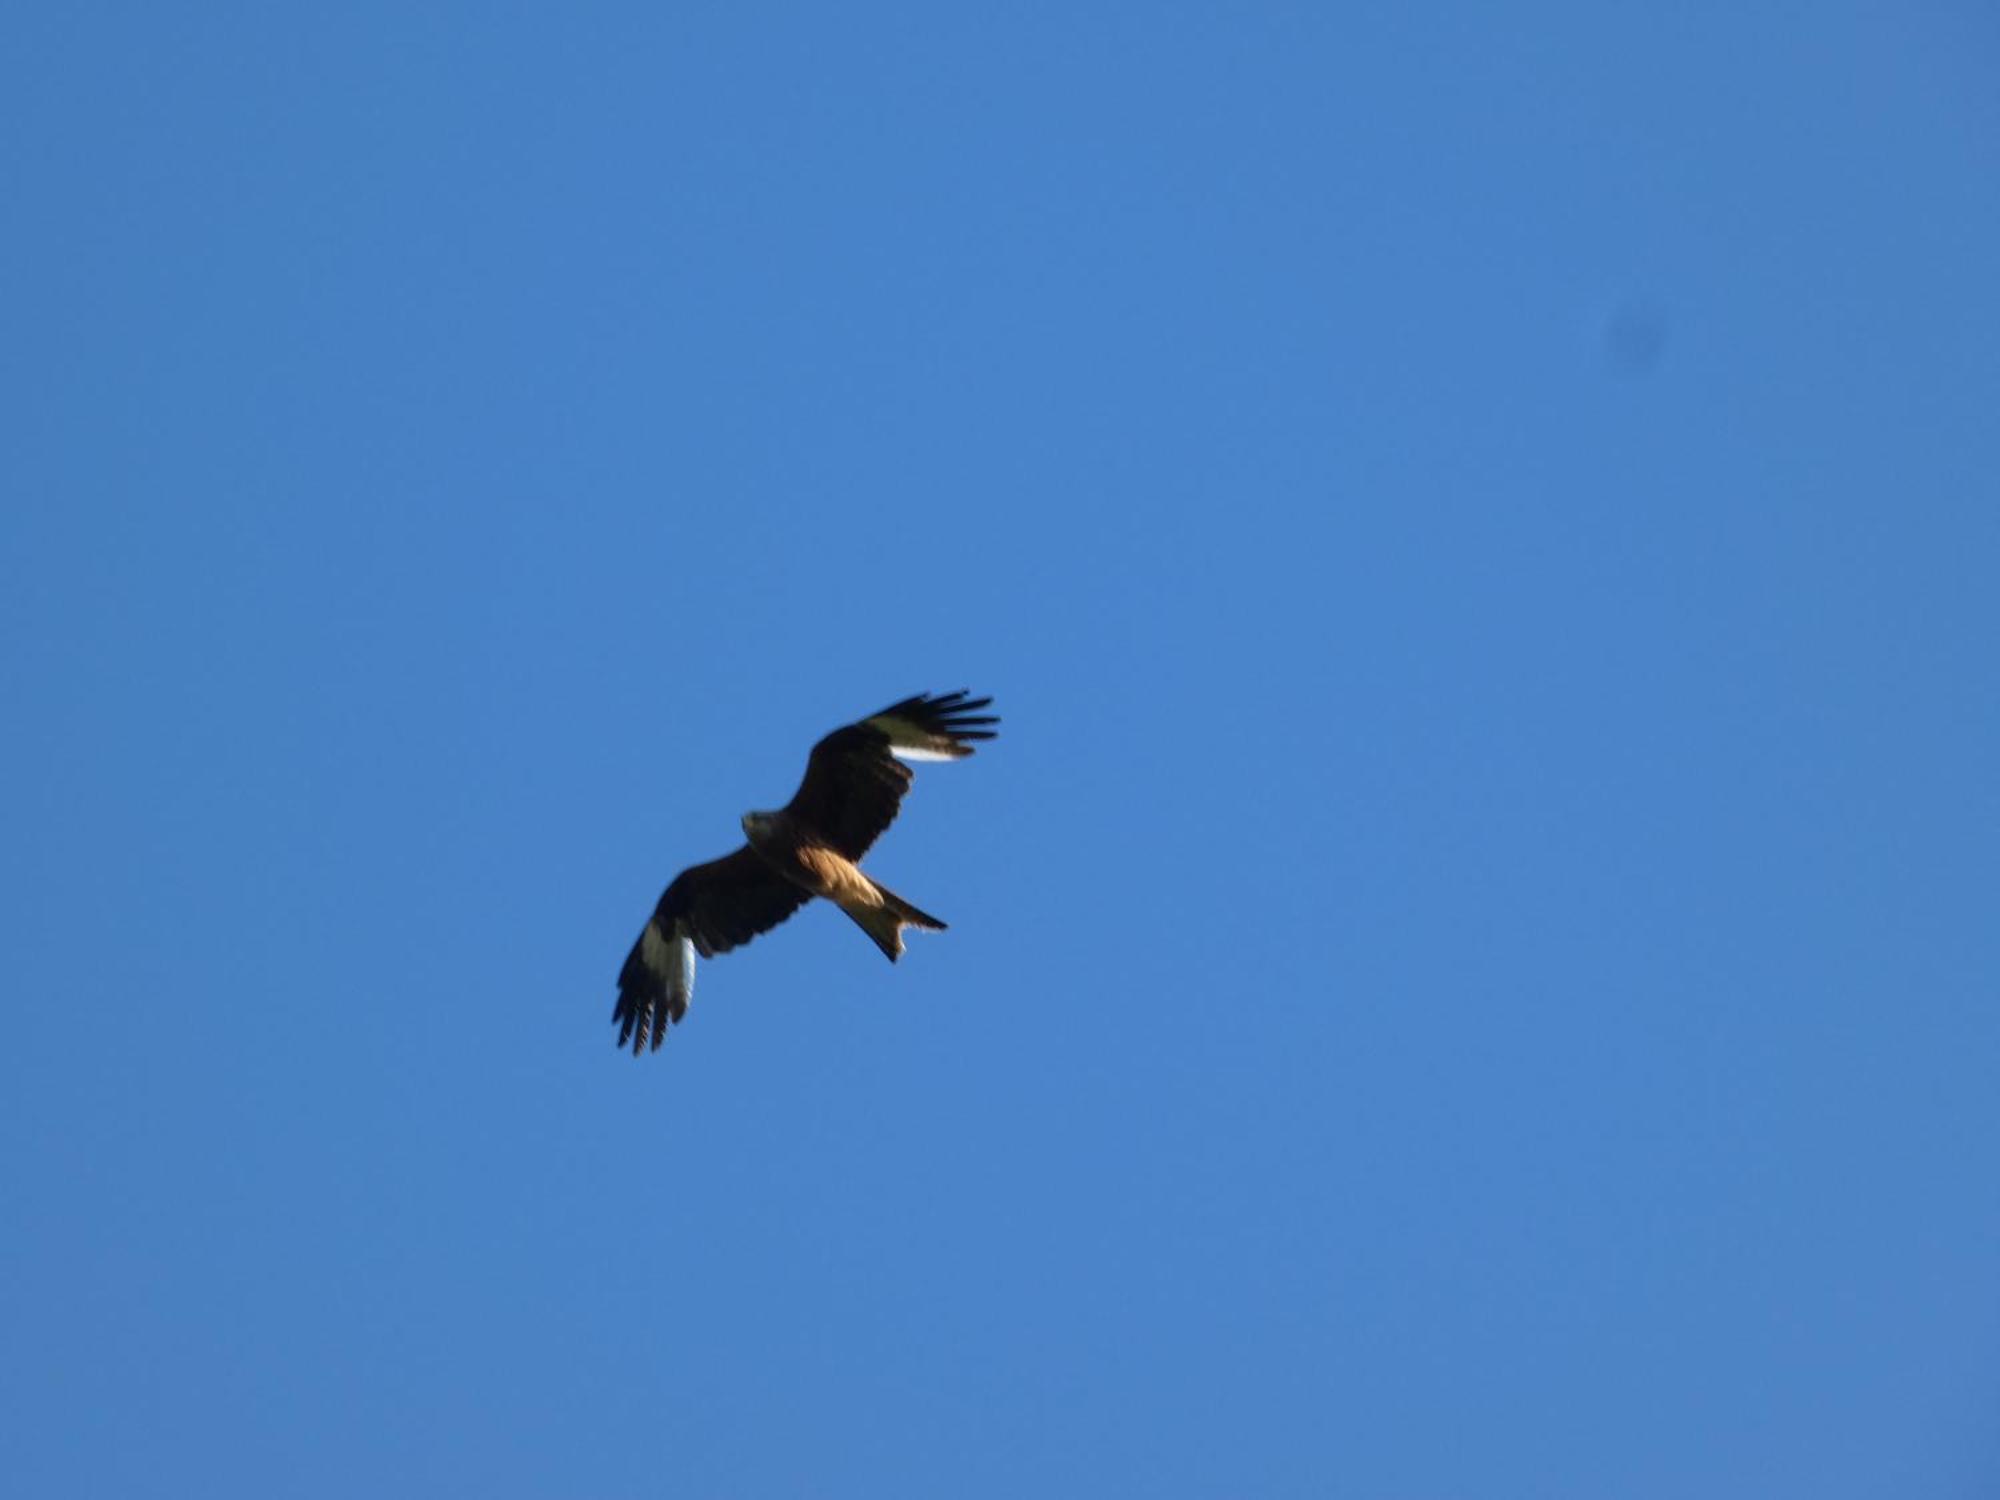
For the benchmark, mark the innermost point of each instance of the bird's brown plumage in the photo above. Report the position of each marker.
(853, 787)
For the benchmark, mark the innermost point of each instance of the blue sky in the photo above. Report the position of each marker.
(1473, 966)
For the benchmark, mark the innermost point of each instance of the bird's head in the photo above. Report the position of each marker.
(756, 825)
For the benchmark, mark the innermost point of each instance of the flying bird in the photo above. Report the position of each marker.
(812, 846)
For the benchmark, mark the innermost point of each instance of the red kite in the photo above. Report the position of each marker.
(810, 847)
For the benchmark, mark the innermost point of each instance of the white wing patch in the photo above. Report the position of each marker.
(909, 741)
(671, 956)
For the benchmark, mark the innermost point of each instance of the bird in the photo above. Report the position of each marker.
(812, 846)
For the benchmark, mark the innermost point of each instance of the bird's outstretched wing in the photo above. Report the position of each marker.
(708, 909)
(856, 778)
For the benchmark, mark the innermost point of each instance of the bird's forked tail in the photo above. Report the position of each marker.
(885, 919)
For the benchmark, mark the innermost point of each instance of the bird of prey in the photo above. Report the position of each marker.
(812, 846)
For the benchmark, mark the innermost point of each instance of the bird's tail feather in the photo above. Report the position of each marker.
(885, 923)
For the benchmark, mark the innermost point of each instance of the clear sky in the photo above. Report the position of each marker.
(1473, 966)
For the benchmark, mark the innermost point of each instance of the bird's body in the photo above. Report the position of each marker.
(805, 857)
(854, 784)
